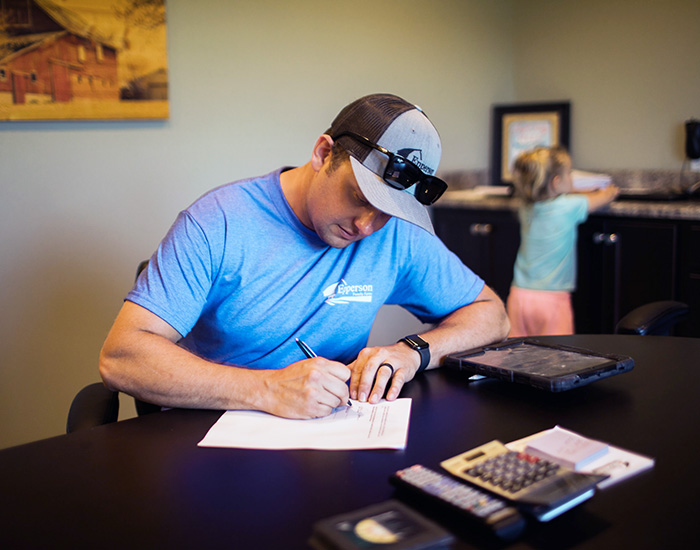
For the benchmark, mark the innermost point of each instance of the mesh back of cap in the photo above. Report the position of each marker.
(368, 116)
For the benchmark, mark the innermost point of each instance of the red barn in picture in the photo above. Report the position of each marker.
(71, 59)
(50, 54)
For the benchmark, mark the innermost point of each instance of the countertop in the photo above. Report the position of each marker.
(668, 209)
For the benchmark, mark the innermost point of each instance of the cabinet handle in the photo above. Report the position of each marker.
(480, 229)
(605, 238)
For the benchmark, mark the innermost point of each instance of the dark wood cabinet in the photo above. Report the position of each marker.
(485, 240)
(689, 276)
(623, 262)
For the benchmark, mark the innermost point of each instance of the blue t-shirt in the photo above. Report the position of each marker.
(239, 276)
(546, 259)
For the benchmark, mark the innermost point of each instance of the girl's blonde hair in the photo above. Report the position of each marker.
(534, 170)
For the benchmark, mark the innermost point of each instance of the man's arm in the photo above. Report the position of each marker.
(482, 322)
(141, 357)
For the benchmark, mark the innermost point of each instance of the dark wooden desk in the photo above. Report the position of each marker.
(144, 482)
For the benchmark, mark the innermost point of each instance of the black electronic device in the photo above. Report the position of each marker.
(692, 139)
(417, 343)
(431, 488)
(389, 525)
(545, 488)
(548, 367)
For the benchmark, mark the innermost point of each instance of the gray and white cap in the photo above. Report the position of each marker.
(402, 128)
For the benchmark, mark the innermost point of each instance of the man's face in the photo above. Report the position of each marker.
(338, 211)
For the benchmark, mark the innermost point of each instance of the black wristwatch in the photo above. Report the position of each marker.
(421, 346)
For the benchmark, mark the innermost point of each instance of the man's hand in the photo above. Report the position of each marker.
(310, 388)
(371, 375)
(482, 322)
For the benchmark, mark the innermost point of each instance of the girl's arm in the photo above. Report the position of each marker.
(601, 197)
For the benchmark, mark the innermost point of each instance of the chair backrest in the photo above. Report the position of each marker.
(142, 265)
(95, 405)
(654, 318)
(92, 406)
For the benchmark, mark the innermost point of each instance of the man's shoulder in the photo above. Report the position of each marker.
(234, 196)
(243, 186)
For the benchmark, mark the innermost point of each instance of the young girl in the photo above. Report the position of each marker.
(544, 275)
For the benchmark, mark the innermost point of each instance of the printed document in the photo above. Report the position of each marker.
(617, 463)
(362, 426)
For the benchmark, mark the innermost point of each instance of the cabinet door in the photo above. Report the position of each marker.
(689, 278)
(486, 241)
(623, 264)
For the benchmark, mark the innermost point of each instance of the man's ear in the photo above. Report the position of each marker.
(321, 151)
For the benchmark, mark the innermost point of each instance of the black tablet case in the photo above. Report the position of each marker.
(547, 367)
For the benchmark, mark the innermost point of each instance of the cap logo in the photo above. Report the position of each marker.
(416, 157)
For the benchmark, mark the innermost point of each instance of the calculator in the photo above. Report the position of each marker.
(522, 478)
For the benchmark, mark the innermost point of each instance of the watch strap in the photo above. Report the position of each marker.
(417, 343)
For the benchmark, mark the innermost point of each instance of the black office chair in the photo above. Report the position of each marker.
(96, 405)
(654, 318)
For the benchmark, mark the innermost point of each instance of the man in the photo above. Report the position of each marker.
(312, 253)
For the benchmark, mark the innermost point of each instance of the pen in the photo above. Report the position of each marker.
(306, 349)
(309, 354)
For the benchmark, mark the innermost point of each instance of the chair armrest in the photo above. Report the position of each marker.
(94, 405)
(654, 318)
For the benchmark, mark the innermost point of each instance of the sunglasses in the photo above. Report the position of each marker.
(401, 173)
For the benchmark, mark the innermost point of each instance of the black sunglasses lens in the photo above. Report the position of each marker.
(402, 172)
(429, 190)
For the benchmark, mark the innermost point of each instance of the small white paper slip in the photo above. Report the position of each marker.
(566, 448)
(617, 463)
(362, 426)
(587, 181)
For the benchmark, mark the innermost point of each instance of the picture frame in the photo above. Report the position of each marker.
(97, 60)
(524, 126)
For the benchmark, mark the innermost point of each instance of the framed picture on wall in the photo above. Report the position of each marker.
(520, 127)
(71, 60)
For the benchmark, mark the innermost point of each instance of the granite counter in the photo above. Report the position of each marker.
(670, 210)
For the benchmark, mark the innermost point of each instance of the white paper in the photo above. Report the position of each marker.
(586, 181)
(566, 447)
(618, 463)
(362, 426)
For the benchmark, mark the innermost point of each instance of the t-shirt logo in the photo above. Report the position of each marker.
(343, 293)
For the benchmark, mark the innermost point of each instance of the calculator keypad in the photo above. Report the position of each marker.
(516, 476)
(522, 478)
(512, 471)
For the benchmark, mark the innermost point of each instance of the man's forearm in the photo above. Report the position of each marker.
(141, 357)
(155, 370)
(482, 322)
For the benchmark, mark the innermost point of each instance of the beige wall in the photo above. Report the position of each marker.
(631, 69)
(252, 85)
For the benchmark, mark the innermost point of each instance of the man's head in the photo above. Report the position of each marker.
(394, 153)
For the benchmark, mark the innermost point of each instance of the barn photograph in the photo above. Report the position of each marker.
(80, 59)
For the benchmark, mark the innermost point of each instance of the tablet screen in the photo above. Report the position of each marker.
(538, 360)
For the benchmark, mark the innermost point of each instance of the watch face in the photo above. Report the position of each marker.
(416, 342)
